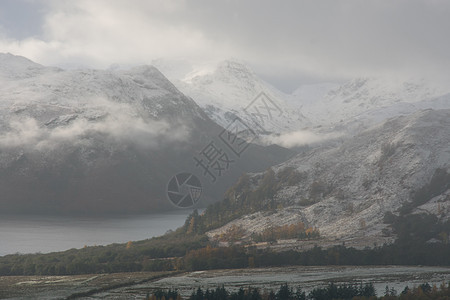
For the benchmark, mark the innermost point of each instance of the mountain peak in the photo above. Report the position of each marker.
(226, 91)
(225, 71)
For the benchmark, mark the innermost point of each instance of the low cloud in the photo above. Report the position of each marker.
(115, 122)
(298, 138)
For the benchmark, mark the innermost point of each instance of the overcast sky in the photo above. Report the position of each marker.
(286, 42)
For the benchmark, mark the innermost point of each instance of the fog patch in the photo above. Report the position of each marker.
(118, 122)
(298, 138)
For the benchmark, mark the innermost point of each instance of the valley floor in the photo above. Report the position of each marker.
(137, 285)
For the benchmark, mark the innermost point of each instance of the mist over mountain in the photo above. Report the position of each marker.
(92, 141)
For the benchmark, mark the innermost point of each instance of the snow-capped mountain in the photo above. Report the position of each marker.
(99, 141)
(226, 91)
(345, 191)
(231, 89)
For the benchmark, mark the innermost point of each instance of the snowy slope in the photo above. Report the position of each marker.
(366, 101)
(345, 191)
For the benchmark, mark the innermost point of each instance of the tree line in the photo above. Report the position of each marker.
(331, 291)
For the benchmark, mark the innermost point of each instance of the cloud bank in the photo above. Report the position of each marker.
(118, 123)
(281, 40)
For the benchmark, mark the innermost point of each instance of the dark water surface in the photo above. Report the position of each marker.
(31, 234)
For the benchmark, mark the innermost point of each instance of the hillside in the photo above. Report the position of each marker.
(345, 191)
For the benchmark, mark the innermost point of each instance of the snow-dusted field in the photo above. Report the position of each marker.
(59, 287)
(306, 277)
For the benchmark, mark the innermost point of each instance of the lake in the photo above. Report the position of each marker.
(31, 234)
